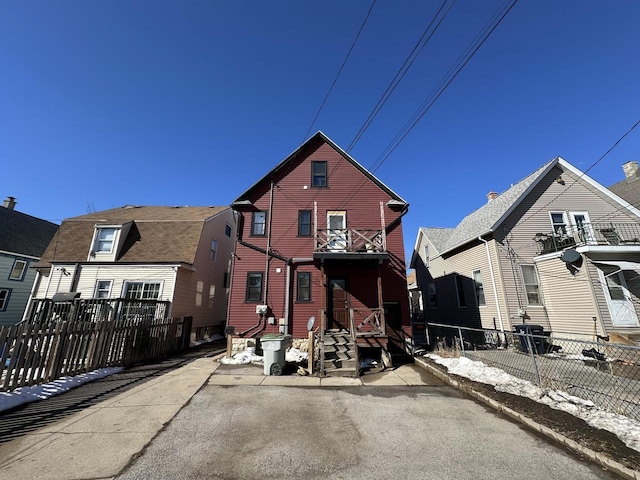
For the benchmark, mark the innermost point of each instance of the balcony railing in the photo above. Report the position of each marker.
(613, 234)
(351, 240)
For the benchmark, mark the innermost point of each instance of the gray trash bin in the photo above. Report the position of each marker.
(274, 347)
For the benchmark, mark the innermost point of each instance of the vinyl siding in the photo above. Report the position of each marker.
(20, 289)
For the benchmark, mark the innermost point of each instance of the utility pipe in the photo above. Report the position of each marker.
(493, 282)
(268, 258)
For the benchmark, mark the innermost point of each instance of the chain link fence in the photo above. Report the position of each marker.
(605, 373)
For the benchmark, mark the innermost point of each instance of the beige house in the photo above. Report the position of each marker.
(177, 254)
(557, 249)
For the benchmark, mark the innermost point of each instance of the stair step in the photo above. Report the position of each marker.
(339, 356)
(332, 364)
(341, 372)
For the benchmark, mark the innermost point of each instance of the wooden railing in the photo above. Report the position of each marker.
(369, 322)
(80, 336)
(351, 240)
(614, 234)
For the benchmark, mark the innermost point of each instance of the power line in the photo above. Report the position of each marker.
(339, 71)
(402, 71)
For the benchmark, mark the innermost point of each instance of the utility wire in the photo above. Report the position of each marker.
(402, 71)
(339, 70)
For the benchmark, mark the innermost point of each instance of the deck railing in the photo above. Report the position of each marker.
(613, 234)
(350, 240)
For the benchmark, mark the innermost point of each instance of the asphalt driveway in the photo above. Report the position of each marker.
(361, 432)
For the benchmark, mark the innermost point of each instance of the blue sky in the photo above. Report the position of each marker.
(107, 103)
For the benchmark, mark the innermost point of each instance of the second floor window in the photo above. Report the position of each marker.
(558, 223)
(214, 248)
(304, 223)
(4, 298)
(259, 223)
(142, 290)
(318, 174)
(103, 289)
(462, 302)
(18, 270)
(432, 295)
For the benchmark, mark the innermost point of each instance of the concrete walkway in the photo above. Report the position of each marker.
(99, 441)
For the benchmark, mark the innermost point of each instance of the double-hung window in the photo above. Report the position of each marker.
(103, 289)
(259, 224)
(104, 240)
(254, 287)
(304, 287)
(304, 223)
(18, 270)
(558, 223)
(214, 248)
(531, 284)
(477, 280)
(432, 295)
(227, 230)
(426, 256)
(319, 174)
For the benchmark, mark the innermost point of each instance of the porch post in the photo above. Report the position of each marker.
(323, 302)
(383, 323)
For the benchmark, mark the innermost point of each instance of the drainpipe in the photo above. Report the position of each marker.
(268, 258)
(493, 282)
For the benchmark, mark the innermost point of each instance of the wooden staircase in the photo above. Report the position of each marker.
(340, 354)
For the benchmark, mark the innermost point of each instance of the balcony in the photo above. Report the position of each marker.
(592, 234)
(350, 243)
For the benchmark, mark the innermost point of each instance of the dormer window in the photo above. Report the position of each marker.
(104, 240)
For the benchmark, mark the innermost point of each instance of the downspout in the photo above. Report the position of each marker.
(493, 282)
(267, 257)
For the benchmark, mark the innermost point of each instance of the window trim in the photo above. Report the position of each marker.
(565, 221)
(97, 240)
(126, 283)
(299, 276)
(96, 290)
(478, 287)
(325, 175)
(253, 224)
(524, 284)
(426, 256)
(23, 273)
(260, 292)
(5, 302)
(460, 292)
(300, 223)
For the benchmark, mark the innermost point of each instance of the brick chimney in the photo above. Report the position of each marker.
(492, 195)
(10, 203)
(630, 169)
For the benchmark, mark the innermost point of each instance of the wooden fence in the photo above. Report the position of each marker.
(68, 338)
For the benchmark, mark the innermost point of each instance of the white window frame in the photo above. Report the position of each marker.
(479, 286)
(99, 240)
(144, 283)
(426, 256)
(336, 237)
(97, 289)
(524, 283)
(582, 233)
(565, 222)
(23, 270)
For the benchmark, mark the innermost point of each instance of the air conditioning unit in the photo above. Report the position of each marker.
(261, 309)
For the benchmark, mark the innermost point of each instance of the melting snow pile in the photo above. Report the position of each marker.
(624, 428)
(294, 355)
(40, 392)
(243, 358)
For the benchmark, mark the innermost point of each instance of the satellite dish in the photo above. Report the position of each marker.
(570, 256)
(310, 323)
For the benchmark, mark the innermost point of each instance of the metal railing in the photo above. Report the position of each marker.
(615, 234)
(605, 373)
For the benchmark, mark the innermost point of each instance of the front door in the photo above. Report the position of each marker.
(338, 303)
(623, 314)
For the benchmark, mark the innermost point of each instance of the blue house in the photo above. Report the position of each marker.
(23, 239)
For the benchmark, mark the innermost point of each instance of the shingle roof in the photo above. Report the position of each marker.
(487, 217)
(158, 234)
(628, 189)
(23, 234)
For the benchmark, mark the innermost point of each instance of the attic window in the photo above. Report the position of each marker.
(104, 239)
(318, 174)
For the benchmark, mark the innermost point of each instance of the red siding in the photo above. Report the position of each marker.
(348, 189)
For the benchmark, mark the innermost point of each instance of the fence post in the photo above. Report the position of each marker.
(461, 342)
(533, 358)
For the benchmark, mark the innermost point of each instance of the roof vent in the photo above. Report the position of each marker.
(9, 203)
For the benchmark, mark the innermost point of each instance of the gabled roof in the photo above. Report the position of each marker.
(295, 154)
(628, 189)
(491, 215)
(23, 234)
(157, 234)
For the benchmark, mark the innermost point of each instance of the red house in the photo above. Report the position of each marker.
(320, 236)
